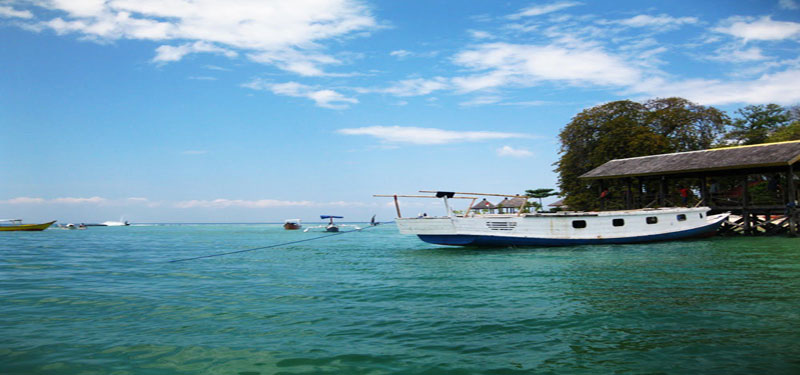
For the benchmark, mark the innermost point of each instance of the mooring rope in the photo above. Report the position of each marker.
(271, 246)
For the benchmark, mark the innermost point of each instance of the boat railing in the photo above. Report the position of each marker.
(445, 195)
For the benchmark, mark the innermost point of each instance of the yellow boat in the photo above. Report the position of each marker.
(16, 225)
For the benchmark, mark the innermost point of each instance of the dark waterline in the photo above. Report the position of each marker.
(105, 300)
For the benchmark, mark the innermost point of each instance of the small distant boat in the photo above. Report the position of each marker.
(292, 224)
(10, 225)
(331, 226)
(119, 223)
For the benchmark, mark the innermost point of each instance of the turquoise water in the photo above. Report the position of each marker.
(106, 301)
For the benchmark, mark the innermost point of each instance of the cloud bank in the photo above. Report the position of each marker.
(427, 136)
(286, 33)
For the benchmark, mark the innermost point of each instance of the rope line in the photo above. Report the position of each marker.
(270, 246)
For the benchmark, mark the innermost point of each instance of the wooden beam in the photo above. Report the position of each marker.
(480, 194)
(415, 196)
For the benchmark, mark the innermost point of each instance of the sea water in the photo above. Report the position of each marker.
(108, 301)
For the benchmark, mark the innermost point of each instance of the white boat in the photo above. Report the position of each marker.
(119, 223)
(561, 228)
(331, 226)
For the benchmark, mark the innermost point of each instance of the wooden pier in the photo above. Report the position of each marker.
(757, 184)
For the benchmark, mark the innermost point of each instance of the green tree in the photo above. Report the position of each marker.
(540, 193)
(596, 135)
(789, 132)
(756, 123)
(687, 126)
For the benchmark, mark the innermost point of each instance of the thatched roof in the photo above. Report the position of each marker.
(728, 158)
(515, 202)
(483, 205)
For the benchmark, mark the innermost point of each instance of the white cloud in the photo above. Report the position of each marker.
(322, 97)
(411, 87)
(23, 200)
(513, 152)
(764, 28)
(662, 22)
(263, 203)
(66, 200)
(426, 136)
(287, 33)
(175, 53)
(735, 53)
(529, 103)
(538, 10)
(788, 4)
(9, 12)
(225, 203)
(478, 34)
(481, 100)
(400, 53)
(525, 65)
(93, 200)
(780, 88)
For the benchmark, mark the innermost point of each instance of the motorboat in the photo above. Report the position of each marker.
(292, 224)
(556, 229)
(10, 225)
(120, 223)
(330, 226)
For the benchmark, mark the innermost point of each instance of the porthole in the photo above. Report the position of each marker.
(681, 217)
(578, 224)
(618, 222)
(652, 219)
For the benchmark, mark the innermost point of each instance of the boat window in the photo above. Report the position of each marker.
(578, 224)
(652, 219)
(701, 216)
(618, 222)
(681, 217)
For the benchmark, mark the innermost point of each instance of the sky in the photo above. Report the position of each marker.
(260, 111)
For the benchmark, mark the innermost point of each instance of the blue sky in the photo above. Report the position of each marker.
(253, 111)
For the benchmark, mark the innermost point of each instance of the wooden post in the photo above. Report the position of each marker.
(791, 205)
(662, 190)
(602, 198)
(628, 197)
(641, 192)
(397, 206)
(704, 198)
(745, 203)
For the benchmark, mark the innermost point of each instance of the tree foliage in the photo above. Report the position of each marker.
(596, 135)
(756, 123)
(686, 125)
(789, 132)
(540, 194)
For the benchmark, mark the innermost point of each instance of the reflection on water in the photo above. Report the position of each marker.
(105, 300)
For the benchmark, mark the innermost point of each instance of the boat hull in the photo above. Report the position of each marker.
(620, 227)
(291, 226)
(26, 227)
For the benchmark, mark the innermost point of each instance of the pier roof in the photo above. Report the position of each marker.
(766, 155)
